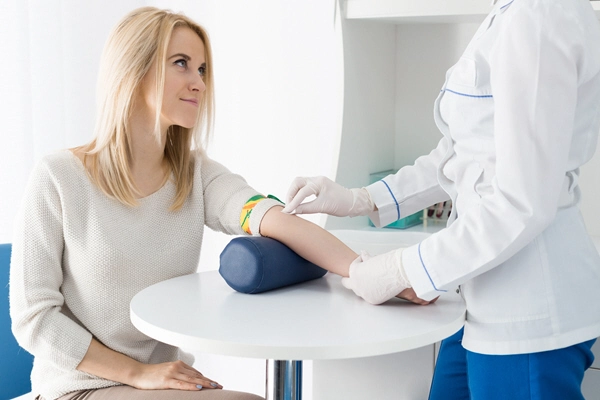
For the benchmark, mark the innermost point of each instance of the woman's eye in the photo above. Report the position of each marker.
(181, 63)
(202, 71)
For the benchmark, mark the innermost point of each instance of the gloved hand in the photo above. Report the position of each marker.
(377, 279)
(332, 198)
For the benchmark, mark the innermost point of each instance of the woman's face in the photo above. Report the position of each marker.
(184, 85)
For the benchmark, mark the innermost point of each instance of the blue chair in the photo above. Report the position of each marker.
(15, 363)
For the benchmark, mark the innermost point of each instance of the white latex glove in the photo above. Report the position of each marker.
(332, 198)
(377, 279)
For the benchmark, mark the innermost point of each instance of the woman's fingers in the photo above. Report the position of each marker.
(188, 381)
(203, 381)
(410, 295)
(173, 375)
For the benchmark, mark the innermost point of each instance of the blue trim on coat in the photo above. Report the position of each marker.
(393, 197)
(482, 96)
(427, 272)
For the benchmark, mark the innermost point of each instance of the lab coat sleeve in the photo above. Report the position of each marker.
(410, 190)
(534, 78)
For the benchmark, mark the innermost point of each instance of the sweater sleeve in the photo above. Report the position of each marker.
(36, 275)
(225, 193)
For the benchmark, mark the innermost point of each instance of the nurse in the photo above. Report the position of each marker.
(519, 114)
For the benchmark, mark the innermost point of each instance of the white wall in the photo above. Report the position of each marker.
(49, 56)
(424, 52)
(279, 94)
(368, 113)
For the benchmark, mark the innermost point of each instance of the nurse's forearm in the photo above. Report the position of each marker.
(308, 240)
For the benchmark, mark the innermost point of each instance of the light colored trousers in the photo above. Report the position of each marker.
(130, 393)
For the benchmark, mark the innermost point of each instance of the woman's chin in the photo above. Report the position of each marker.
(187, 125)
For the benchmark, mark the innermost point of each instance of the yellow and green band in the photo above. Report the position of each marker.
(247, 210)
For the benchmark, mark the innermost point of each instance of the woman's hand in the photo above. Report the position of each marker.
(109, 364)
(410, 295)
(171, 375)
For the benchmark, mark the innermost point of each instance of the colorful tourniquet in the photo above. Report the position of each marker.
(247, 210)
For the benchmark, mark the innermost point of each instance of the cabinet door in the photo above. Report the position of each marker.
(400, 376)
(596, 350)
(591, 384)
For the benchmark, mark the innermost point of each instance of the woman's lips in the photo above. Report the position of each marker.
(191, 101)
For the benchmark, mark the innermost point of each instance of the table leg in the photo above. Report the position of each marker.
(284, 380)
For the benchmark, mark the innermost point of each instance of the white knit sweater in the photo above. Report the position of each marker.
(79, 257)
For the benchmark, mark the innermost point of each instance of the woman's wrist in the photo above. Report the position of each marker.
(132, 372)
(106, 363)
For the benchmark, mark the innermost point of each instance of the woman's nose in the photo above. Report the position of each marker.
(197, 84)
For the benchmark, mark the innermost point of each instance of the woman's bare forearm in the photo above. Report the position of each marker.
(109, 364)
(308, 240)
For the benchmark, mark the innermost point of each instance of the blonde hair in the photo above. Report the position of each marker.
(140, 39)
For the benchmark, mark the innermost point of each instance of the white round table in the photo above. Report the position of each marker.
(316, 320)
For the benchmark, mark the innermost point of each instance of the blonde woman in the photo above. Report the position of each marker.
(102, 221)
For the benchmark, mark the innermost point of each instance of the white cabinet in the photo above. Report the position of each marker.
(422, 11)
(402, 376)
(392, 74)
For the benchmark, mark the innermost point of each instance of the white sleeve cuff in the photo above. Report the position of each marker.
(388, 209)
(420, 278)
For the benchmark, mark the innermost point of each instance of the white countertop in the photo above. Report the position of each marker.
(381, 240)
(316, 320)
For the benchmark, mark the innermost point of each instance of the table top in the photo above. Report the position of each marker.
(315, 320)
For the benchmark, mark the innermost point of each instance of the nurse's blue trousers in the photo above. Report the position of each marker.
(464, 375)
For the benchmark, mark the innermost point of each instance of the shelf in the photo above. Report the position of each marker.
(423, 11)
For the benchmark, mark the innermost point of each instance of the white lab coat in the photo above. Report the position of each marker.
(520, 113)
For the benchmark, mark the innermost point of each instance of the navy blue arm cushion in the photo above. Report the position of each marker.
(255, 264)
